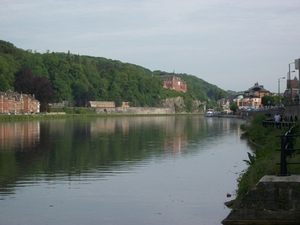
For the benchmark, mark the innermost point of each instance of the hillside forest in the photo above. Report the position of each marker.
(55, 77)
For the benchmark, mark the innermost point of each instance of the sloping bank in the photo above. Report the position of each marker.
(262, 196)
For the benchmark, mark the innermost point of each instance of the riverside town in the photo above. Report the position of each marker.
(90, 140)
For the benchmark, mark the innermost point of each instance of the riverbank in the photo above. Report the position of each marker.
(54, 115)
(274, 200)
(266, 156)
(255, 193)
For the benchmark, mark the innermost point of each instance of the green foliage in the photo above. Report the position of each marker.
(7, 69)
(189, 104)
(243, 127)
(62, 89)
(78, 110)
(41, 87)
(264, 159)
(251, 158)
(254, 132)
(257, 120)
(234, 107)
(4, 85)
(84, 78)
(270, 100)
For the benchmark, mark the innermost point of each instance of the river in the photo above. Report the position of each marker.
(120, 170)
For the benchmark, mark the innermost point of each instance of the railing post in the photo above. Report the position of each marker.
(286, 149)
(283, 167)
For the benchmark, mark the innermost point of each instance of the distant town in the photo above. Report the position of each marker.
(17, 103)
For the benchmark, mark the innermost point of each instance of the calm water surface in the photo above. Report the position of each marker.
(119, 171)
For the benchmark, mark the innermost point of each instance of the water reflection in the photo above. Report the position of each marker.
(108, 145)
(17, 136)
(160, 167)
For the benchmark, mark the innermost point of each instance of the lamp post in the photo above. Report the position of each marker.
(279, 84)
(279, 89)
(289, 81)
(297, 67)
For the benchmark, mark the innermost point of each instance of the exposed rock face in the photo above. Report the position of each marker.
(199, 106)
(178, 103)
(174, 102)
(274, 200)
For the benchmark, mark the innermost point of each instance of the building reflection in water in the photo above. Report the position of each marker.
(19, 135)
(173, 129)
(175, 144)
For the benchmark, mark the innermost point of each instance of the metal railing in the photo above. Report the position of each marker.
(279, 125)
(286, 149)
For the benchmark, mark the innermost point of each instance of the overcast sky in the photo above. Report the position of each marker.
(229, 43)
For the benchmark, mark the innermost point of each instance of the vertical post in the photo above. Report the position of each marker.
(283, 168)
(278, 86)
(297, 62)
(298, 87)
(289, 81)
(289, 87)
(279, 95)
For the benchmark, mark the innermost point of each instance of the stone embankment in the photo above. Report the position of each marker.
(274, 200)
(136, 110)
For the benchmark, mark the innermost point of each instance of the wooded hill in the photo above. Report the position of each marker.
(54, 77)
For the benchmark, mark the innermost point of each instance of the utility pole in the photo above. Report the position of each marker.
(297, 67)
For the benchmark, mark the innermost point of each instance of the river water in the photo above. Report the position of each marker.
(120, 170)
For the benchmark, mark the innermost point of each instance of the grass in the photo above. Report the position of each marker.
(263, 160)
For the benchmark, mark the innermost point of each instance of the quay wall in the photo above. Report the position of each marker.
(135, 110)
(274, 200)
(291, 110)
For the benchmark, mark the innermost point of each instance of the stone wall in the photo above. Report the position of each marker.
(136, 110)
(274, 200)
(291, 110)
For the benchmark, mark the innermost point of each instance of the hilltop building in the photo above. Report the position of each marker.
(174, 83)
(252, 97)
(14, 103)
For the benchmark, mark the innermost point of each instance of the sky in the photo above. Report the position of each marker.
(229, 43)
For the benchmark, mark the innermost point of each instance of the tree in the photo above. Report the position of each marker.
(6, 72)
(118, 101)
(4, 86)
(269, 100)
(220, 94)
(188, 104)
(83, 99)
(99, 78)
(24, 81)
(62, 89)
(234, 107)
(80, 93)
(43, 92)
(41, 87)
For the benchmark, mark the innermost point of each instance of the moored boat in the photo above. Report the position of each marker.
(209, 113)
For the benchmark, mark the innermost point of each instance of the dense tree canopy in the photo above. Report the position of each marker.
(41, 87)
(65, 76)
